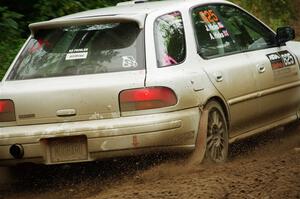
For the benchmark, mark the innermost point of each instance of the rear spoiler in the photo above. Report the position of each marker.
(57, 23)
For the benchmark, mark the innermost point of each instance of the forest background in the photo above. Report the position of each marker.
(15, 15)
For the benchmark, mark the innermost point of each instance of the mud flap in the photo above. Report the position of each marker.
(198, 154)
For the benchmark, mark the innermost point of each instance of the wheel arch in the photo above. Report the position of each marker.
(224, 107)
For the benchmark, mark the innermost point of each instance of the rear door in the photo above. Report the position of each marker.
(227, 67)
(76, 73)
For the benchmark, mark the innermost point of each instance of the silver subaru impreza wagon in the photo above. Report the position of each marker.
(178, 75)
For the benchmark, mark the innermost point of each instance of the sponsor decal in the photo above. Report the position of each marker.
(281, 59)
(75, 54)
(220, 25)
(216, 35)
(129, 62)
(287, 57)
(213, 26)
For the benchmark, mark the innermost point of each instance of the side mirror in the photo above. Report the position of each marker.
(284, 34)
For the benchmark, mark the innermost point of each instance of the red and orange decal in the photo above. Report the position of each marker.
(209, 16)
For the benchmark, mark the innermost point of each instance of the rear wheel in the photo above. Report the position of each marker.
(217, 133)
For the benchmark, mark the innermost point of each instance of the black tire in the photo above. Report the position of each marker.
(217, 134)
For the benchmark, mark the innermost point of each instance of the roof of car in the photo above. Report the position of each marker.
(126, 11)
(131, 8)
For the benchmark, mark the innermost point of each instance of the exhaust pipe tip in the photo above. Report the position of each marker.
(17, 151)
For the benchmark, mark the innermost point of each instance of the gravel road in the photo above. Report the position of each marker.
(265, 166)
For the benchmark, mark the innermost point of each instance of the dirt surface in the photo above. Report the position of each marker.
(266, 166)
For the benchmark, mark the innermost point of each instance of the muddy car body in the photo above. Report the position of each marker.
(143, 77)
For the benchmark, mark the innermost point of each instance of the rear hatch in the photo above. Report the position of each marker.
(75, 72)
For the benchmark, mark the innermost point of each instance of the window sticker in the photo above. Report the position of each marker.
(281, 59)
(209, 16)
(220, 25)
(213, 25)
(129, 62)
(75, 54)
(218, 35)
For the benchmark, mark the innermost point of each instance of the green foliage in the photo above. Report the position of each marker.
(51, 9)
(274, 13)
(15, 15)
(8, 51)
(10, 38)
(8, 22)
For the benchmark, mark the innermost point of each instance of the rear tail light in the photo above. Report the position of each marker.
(147, 98)
(7, 111)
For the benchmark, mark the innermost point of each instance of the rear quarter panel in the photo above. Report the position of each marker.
(188, 79)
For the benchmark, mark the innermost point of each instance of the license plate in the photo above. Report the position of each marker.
(67, 149)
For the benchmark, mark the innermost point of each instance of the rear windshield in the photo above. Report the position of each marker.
(80, 50)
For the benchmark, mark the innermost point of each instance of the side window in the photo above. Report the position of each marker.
(169, 39)
(212, 35)
(248, 33)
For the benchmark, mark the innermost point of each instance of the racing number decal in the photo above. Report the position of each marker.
(281, 59)
(209, 16)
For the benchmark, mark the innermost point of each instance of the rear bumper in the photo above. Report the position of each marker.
(105, 138)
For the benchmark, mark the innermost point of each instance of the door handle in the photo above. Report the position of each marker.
(218, 76)
(260, 68)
